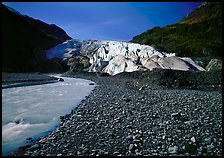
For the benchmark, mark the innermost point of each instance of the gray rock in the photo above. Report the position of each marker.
(142, 88)
(129, 126)
(208, 140)
(193, 139)
(214, 64)
(177, 114)
(173, 150)
(129, 137)
(131, 148)
(210, 147)
(116, 153)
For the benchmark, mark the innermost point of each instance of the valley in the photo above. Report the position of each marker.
(158, 94)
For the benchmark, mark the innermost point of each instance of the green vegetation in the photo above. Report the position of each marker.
(197, 35)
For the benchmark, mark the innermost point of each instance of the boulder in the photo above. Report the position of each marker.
(61, 79)
(214, 64)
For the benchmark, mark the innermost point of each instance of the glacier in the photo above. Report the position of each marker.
(114, 57)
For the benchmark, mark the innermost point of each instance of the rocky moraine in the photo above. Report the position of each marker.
(122, 117)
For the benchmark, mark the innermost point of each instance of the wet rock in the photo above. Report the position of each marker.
(35, 146)
(61, 79)
(24, 147)
(29, 139)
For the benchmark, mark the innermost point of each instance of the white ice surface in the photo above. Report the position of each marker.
(121, 56)
(38, 109)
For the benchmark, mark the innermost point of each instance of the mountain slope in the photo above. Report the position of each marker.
(24, 41)
(197, 35)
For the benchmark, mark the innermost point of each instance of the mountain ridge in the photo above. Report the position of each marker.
(25, 40)
(196, 35)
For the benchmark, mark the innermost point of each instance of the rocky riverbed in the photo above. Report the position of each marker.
(130, 114)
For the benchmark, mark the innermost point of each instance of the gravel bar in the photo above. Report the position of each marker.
(125, 116)
(10, 80)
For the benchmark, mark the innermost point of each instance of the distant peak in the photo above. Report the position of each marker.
(13, 10)
(53, 25)
(209, 3)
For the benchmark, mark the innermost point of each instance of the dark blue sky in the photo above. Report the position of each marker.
(106, 20)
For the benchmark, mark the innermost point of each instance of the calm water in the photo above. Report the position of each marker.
(31, 111)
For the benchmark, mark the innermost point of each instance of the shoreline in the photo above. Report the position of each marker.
(10, 80)
(122, 117)
(28, 140)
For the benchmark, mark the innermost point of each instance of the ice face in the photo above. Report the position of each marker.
(31, 110)
(121, 56)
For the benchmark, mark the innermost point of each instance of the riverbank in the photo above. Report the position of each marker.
(31, 111)
(10, 80)
(129, 114)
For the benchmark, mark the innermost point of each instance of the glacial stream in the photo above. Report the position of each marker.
(33, 111)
